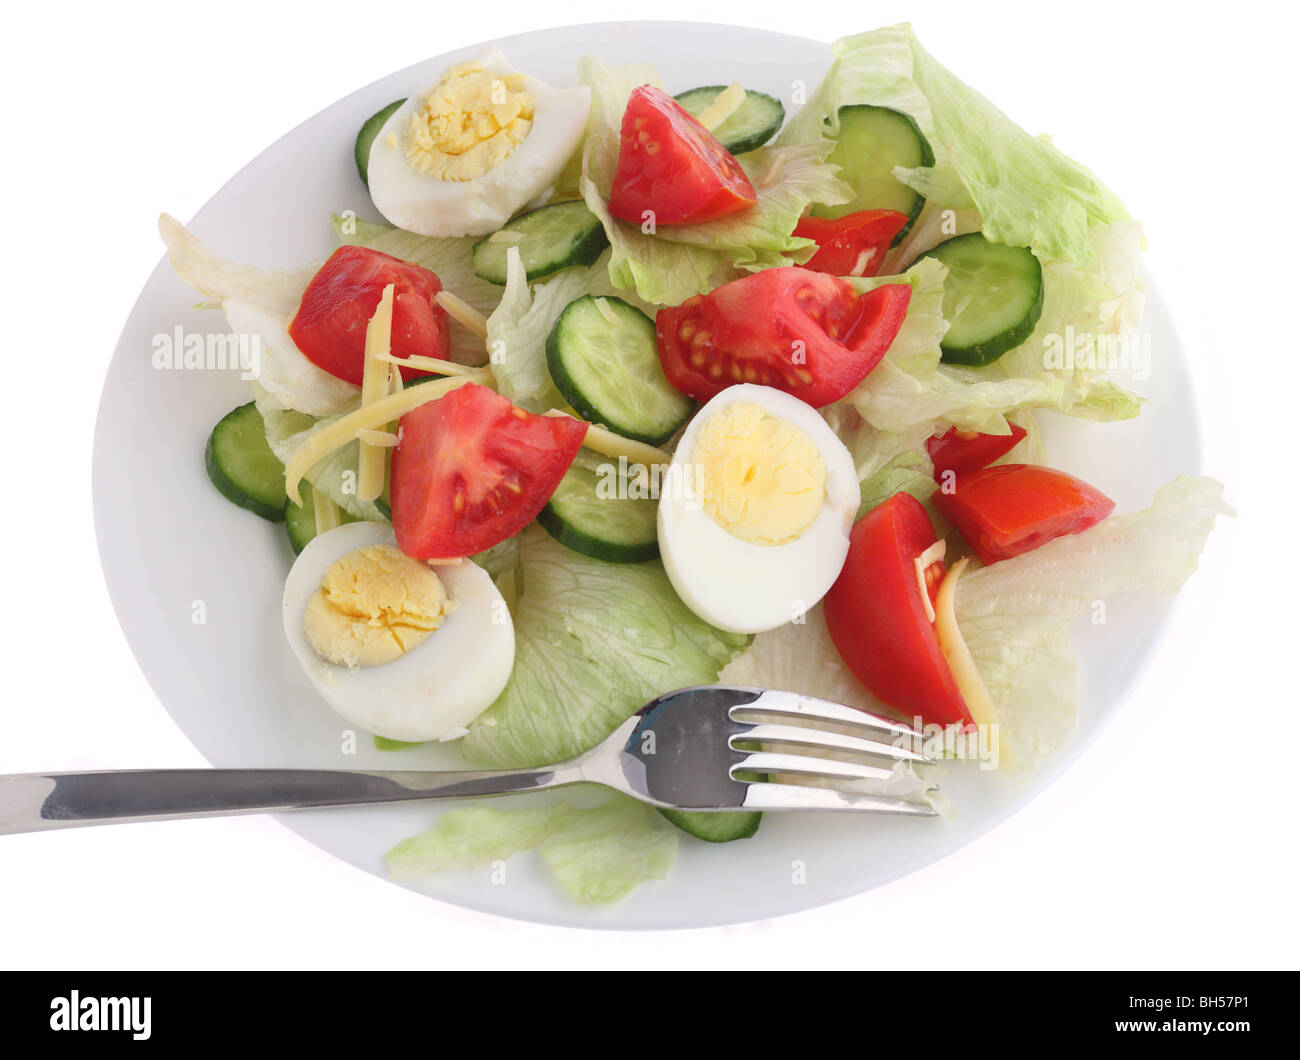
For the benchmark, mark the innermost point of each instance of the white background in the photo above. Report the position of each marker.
(1172, 843)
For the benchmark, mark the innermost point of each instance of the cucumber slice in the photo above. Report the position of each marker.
(870, 143)
(241, 465)
(553, 238)
(604, 360)
(616, 529)
(300, 523)
(992, 298)
(366, 138)
(715, 827)
(748, 127)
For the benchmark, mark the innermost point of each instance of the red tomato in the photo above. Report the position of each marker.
(803, 332)
(670, 165)
(472, 470)
(1005, 510)
(962, 452)
(877, 619)
(330, 325)
(852, 245)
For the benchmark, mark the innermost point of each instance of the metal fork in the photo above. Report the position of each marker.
(708, 748)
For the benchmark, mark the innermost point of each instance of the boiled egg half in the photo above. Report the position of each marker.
(756, 510)
(404, 649)
(467, 153)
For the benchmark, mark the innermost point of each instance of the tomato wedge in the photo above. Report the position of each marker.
(1005, 510)
(670, 167)
(852, 245)
(962, 452)
(471, 470)
(803, 332)
(877, 618)
(330, 325)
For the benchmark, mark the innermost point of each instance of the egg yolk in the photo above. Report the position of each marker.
(374, 605)
(760, 478)
(468, 123)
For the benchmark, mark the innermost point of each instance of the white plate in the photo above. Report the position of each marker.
(172, 546)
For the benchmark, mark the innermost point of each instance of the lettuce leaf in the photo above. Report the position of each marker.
(595, 642)
(218, 279)
(911, 388)
(990, 174)
(597, 854)
(1027, 192)
(520, 325)
(678, 261)
(1015, 615)
(260, 302)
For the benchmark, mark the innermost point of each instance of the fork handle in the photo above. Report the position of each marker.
(36, 802)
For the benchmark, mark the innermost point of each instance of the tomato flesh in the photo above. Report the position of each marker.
(803, 332)
(671, 168)
(1010, 509)
(961, 452)
(471, 470)
(330, 325)
(877, 618)
(852, 245)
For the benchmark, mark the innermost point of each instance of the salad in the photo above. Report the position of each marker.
(630, 390)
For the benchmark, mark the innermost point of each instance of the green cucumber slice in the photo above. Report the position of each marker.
(300, 523)
(992, 298)
(366, 138)
(715, 827)
(604, 360)
(870, 143)
(613, 528)
(241, 465)
(549, 239)
(748, 127)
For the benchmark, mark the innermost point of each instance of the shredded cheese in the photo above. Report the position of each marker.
(325, 510)
(604, 441)
(933, 554)
(961, 662)
(378, 439)
(724, 105)
(507, 238)
(428, 364)
(374, 385)
(369, 417)
(460, 310)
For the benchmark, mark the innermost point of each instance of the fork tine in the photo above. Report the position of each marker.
(806, 736)
(790, 705)
(771, 796)
(805, 765)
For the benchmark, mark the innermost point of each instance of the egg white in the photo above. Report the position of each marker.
(437, 688)
(430, 206)
(738, 585)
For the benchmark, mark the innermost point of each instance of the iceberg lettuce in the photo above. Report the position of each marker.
(520, 325)
(597, 854)
(260, 302)
(595, 641)
(1015, 615)
(1027, 192)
